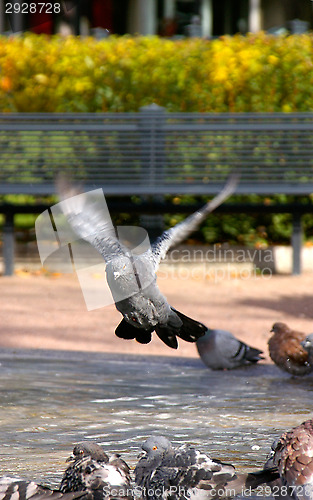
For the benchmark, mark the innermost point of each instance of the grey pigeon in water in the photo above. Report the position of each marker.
(307, 344)
(132, 276)
(220, 350)
(286, 350)
(292, 455)
(165, 472)
(93, 471)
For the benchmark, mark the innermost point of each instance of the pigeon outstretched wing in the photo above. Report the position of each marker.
(181, 231)
(89, 217)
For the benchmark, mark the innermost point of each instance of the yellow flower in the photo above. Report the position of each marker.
(41, 78)
(273, 59)
(6, 84)
(287, 108)
(221, 74)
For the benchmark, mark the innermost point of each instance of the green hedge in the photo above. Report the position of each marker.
(254, 73)
(238, 74)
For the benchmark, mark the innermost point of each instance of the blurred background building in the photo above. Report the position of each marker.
(170, 18)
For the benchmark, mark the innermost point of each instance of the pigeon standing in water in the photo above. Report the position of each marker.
(93, 471)
(307, 344)
(286, 350)
(131, 276)
(220, 350)
(293, 456)
(164, 472)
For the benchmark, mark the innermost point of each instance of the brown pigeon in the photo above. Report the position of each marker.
(286, 350)
(293, 457)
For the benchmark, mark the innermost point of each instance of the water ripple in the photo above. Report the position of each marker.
(50, 400)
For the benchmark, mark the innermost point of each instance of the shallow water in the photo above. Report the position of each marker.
(50, 400)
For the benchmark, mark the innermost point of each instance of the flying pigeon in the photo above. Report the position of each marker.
(220, 350)
(93, 471)
(307, 344)
(286, 350)
(164, 472)
(133, 277)
(293, 456)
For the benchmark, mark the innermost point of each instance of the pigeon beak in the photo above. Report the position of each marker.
(70, 458)
(141, 454)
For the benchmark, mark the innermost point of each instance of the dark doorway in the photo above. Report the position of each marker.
(230, 17)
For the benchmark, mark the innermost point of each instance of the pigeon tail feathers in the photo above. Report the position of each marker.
(252, 354)
(191, 330)
(129, 332)
(178, 325)
(167, 335)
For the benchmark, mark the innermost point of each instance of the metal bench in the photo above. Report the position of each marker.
(155, 153)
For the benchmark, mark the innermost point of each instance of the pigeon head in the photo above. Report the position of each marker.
(92, 450)
(270, 457)
(128, 269)
(279, 328)
(121, 268)
(308, 342)
(156, 445)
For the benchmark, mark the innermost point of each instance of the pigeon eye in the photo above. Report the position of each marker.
(155, 448)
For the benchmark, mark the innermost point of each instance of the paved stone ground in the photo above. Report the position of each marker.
(48, 311)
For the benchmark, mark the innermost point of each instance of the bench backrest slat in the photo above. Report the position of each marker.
(155, 152)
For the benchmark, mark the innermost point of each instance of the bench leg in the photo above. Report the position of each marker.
(296, 242)
(8, 245)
